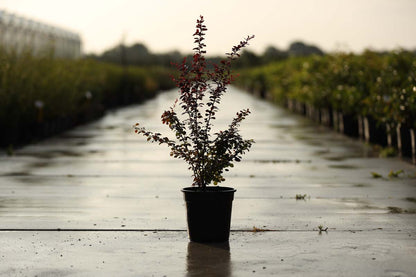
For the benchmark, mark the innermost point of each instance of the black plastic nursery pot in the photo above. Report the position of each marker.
(209, 213)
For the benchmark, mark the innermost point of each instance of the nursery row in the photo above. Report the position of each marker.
(41, 96)
(371, 95)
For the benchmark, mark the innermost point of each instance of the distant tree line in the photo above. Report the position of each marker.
(273, 54)
(138, 54)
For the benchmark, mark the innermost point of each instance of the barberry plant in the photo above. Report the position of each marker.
(201, 88)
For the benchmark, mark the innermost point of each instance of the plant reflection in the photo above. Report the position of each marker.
(208, 259)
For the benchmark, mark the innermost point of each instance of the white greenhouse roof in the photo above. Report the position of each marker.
(15, 21)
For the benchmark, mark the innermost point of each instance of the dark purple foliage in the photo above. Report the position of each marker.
(208, 155)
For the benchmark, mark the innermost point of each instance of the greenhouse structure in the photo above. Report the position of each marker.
(20, 34)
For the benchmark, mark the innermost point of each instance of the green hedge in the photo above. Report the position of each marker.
(38, 93)
(382, 86)
(372, 95)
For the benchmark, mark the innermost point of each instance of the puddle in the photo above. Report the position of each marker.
(368, 207)
(39, 164)
(76, 136)
(314, 143)
(343, 166)
(281, 126)
(17, 173)
(51, 154)
(358, 204)
(302, 137)
(282, 161)
(339, 158)
(336, 158)
(321, 152)
(411, 199)
(111, 127)
(361, 185)
(29, 179)
(395, 273)
(397, 210)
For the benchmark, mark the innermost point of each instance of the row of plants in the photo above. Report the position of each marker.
(41, 96)
(371, 95)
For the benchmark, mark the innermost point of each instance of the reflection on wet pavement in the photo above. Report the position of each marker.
(208, 259)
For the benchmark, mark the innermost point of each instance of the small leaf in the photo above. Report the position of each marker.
(395, 174)
(376, 175)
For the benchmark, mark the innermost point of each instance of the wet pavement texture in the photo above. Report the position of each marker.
(101, 201)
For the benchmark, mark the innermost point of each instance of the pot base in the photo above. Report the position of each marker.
(209, 213)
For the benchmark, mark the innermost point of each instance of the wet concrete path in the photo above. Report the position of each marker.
(100, 200)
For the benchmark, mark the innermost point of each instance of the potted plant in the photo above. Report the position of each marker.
(208, 155)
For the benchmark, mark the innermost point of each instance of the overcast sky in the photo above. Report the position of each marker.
(165, 25)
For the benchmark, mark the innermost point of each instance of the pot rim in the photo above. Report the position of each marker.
(209, 189)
